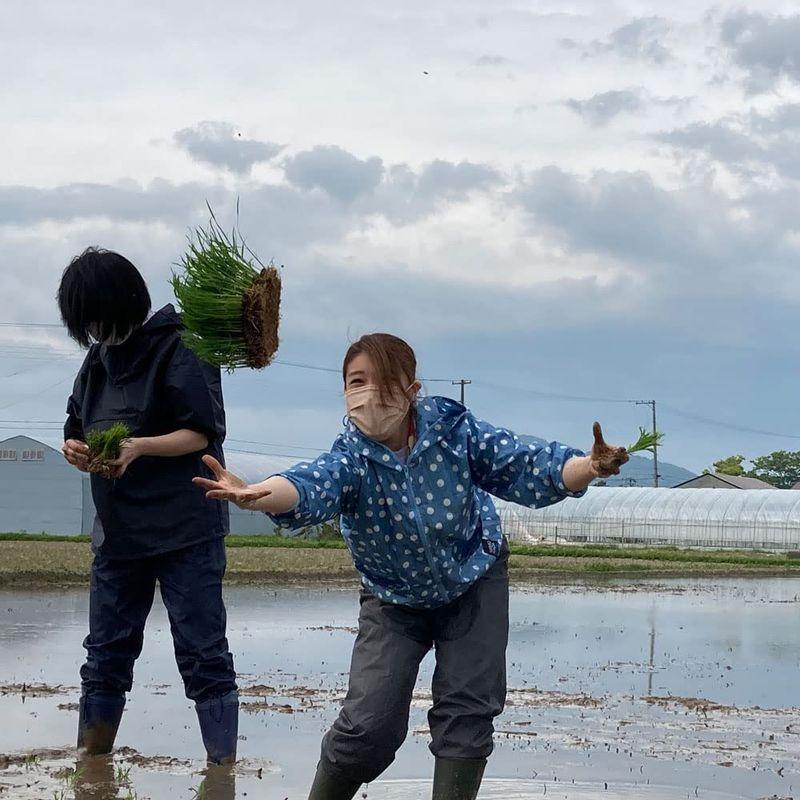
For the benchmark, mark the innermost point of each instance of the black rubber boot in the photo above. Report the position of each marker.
(457, 778)
(99, 716)
(218, 784)
(94, 778)
(326, 787)
(219, 727)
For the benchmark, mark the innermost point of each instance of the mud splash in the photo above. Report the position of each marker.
(63, 774)
(35, 689)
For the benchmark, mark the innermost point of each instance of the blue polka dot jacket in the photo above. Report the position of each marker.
(421, 533)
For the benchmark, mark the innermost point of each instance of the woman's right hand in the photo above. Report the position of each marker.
(228, 486)
(77, 454)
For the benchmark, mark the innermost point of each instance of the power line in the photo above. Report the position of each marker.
(23, 350)
(728, 425)
(293, 456)
(33, 394)
(31, 325)
(549, 395)
(276, 444)
(17, 351)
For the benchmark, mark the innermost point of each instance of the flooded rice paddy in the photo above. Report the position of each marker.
(625, 689)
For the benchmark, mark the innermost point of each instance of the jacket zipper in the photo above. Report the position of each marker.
(422, 535)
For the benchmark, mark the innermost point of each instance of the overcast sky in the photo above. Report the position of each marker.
(556, 200)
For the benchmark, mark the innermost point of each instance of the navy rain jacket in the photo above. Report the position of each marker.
(155, 385)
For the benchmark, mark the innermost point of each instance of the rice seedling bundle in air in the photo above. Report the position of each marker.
(104, 447)
(647, 441)
(229, 301)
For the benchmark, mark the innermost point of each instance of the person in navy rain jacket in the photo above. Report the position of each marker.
(152, 524)
(411, 480)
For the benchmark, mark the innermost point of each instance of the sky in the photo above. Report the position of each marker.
(572, 204)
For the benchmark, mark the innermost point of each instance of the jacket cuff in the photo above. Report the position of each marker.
(294, 517)
(558, 473)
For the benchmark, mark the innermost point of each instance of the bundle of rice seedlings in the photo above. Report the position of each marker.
(647, 441)
(104, 447)
(229, 301)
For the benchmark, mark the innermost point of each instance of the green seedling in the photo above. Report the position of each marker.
(31, 761)
(122, 775)
(647, 442)
(229, 300)
(104, 447)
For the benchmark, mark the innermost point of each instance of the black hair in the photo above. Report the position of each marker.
(102, 294)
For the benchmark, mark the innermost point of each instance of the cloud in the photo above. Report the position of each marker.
(444, 179)
(641, 39)
(751, 145)
(397, 192)
(329, 191)
(600, 109)
(491, 61)
(219, 144)
(125, 201)
(693, 237)
(334, 170)
(765, 46)
(718, 140)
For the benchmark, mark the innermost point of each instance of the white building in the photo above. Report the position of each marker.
(41, 493)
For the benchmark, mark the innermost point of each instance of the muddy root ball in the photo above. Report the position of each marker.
(261, 317)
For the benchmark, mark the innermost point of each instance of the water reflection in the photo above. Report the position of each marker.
(583, 661)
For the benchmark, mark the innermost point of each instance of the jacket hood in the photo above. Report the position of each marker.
(123, 361)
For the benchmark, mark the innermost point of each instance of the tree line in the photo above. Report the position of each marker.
(780, 469)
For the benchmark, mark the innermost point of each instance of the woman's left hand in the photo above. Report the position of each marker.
(605, 459)
(129, 451)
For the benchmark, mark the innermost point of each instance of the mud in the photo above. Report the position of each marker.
(655, 691)
(261, 318)
(99, 466)
(34, 689)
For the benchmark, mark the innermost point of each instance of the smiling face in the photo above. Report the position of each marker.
(379, 374)
(379, 411)
(360, 372)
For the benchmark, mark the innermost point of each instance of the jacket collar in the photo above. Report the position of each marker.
(435, 418)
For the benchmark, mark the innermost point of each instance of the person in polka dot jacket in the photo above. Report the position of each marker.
(411, 480)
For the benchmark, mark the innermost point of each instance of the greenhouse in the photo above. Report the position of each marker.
(765, 519)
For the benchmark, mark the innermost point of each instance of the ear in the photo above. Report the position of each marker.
(414, 389)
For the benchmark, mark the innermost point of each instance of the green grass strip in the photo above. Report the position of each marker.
(604, 552)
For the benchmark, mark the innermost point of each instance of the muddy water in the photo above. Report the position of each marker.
(623, 689)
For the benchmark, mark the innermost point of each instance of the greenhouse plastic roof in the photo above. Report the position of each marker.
(732, 506)
(255, 467)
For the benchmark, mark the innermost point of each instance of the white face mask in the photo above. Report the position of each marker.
(375, 417)
(113, 339)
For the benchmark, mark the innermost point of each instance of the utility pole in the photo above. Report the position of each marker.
(652, 404)
(462, 382)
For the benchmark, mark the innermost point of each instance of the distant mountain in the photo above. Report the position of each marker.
(639, 470)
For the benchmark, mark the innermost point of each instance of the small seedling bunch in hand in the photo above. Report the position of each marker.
(104, 447)
(229, 301)
(606, 459)
(647, 442)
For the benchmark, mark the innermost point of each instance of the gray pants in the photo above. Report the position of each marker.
(469, 683)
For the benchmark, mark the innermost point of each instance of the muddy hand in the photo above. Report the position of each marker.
(77, 454)
(129, 451)
(606, 459)
(228, 486)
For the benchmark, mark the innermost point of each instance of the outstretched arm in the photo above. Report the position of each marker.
(535, 475)
(275, 495)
